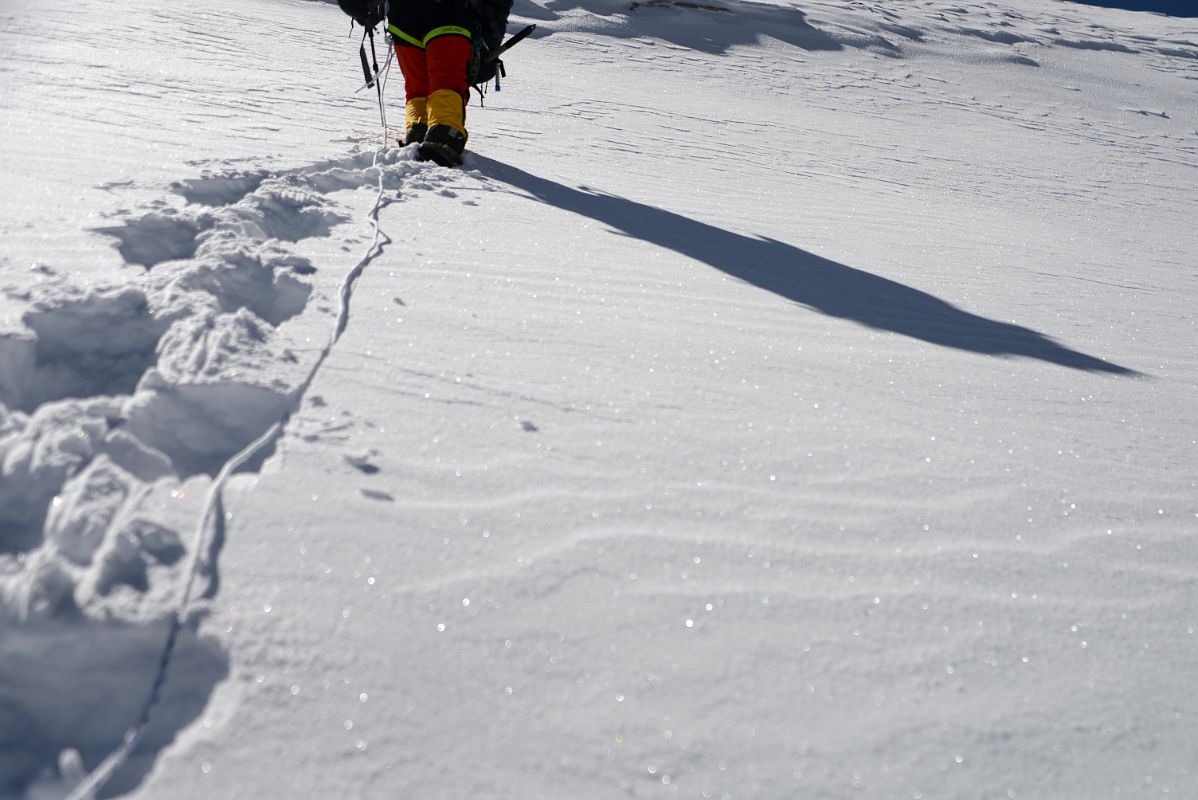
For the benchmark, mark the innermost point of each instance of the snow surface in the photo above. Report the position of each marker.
(784, 401)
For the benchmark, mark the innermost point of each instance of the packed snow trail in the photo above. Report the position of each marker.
(100, 525)
(212, 511)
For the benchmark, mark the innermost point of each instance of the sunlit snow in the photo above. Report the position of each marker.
(784, 400)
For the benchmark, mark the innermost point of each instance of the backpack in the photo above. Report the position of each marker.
(490, 25)
(366, 13)
(488, 29)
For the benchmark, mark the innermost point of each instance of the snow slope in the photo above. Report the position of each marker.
(783, 401)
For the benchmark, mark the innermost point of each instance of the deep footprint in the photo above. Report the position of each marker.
(79, 685)
(101, 345)
(218, 190)
(150, 240)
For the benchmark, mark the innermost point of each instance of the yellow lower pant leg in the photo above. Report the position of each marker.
(416, 111)
(447, 107)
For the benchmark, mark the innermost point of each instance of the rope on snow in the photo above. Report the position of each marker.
(213, 508)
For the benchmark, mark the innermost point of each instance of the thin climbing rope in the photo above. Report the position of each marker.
(212, 514)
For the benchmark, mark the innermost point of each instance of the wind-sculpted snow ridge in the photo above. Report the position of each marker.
(117, 405)
(999, 33)
(689, 24)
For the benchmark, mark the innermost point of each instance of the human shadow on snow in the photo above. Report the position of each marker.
(804, 278)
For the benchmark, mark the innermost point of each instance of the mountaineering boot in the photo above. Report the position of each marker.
(444, 145)
(415, 134)
(446, 137)
(415, 120)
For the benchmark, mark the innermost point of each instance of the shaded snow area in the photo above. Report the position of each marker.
(784, 400)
